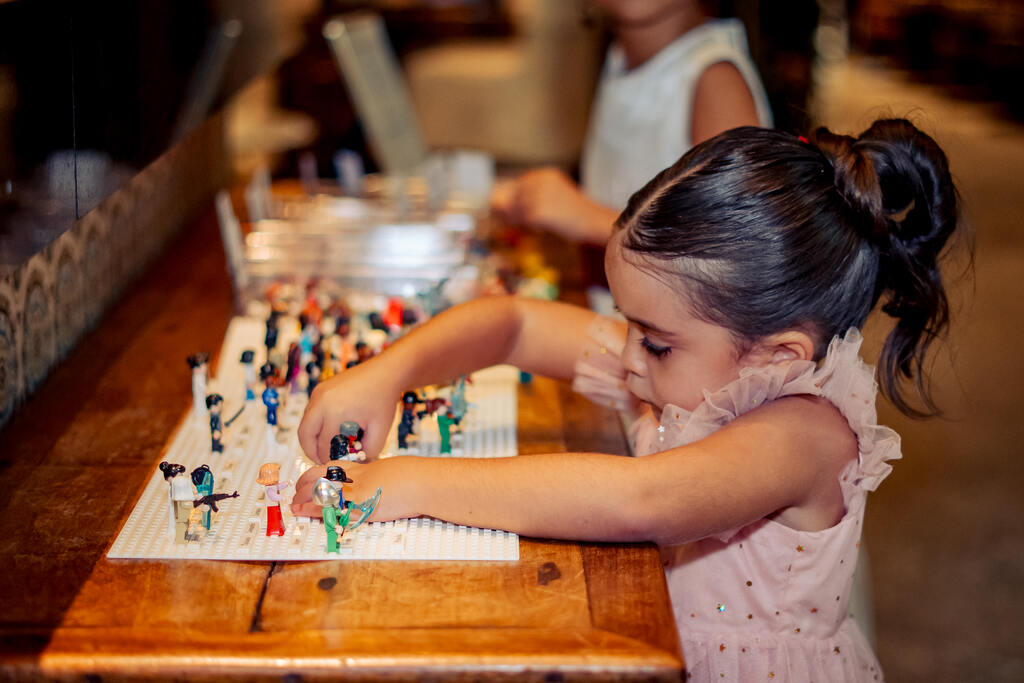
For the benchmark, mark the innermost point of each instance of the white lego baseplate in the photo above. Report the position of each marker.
(238, 530)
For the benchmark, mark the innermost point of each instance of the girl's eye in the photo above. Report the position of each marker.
(654, 349)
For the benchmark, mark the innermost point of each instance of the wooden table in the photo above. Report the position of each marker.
(74, 459)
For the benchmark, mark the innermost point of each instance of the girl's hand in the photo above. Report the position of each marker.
(363, 394)
(389, 475)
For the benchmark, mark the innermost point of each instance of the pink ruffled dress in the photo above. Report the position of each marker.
(765, 601)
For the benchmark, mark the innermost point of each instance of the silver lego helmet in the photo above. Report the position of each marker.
(325, 495)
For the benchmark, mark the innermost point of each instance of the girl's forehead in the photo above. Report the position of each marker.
(643, 291)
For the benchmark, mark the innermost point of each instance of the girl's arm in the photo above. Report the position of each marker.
(784, 459)
(537, 336)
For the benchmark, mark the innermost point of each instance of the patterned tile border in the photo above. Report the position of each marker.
(62, 292)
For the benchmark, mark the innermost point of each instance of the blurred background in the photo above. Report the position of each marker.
(92, 94)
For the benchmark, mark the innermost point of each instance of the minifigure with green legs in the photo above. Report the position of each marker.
(327, 493)
(445, 421)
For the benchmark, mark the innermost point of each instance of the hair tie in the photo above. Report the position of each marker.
(900, 215)
(802, 139)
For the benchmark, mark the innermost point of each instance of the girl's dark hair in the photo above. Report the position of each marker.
(776, 233)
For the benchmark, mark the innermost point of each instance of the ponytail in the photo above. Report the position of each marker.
(896, 181)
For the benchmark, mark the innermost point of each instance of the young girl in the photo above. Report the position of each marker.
(743, 271)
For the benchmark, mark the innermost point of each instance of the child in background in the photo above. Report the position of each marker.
(672, 78)
(743, 271)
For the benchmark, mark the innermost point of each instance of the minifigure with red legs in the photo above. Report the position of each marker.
(269, 478)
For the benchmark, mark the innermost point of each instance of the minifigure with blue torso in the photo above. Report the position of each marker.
(271, 401)
(214, 404)
(268, 373)
(408, 419)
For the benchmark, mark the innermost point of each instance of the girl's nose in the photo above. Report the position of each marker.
(632, 355)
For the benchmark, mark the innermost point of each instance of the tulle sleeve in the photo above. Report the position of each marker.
(599, 374)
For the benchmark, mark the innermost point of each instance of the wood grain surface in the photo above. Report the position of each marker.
(74, 459)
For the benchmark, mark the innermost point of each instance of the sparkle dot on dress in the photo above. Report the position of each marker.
(814, 610)
(743, 649)
(692, 615)
(836, 649)
(661, 429)
(799, 548)
(750, 616)
(796, 630)
(604, 350)
(720, 607)
(721, 648)
(771, 674)
(750, 583)
(586, 354)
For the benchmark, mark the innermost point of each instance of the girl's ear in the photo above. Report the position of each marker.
(782, 347)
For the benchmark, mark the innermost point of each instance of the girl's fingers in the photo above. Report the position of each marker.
(309, 509)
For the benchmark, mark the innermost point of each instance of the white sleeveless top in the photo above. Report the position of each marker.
(641, 119)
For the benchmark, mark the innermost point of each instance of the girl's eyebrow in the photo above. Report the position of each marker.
(647, 326)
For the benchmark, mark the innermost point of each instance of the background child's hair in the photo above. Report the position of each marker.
(776, 233)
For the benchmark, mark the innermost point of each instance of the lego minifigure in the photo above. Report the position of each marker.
(337, 475)
(328, 494)
(291, 376)
(269, 478)
(199, 362)
(392, 317)
(202, 479)
(339, 447)
(179, 495)
(342, 325)
(363, 351)
(408, 418)
(354, 433)
(271, 401)
(445, 420)
(214, 404)
(312, 377)
(309, 335)
(458, 399)
(270, 339)
(376, 321)
(247, 359)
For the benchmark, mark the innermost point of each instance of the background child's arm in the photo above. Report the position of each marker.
(538, 336)
(782, 459)
(548, 199)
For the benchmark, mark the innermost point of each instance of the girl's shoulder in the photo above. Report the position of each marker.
(837, 399)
